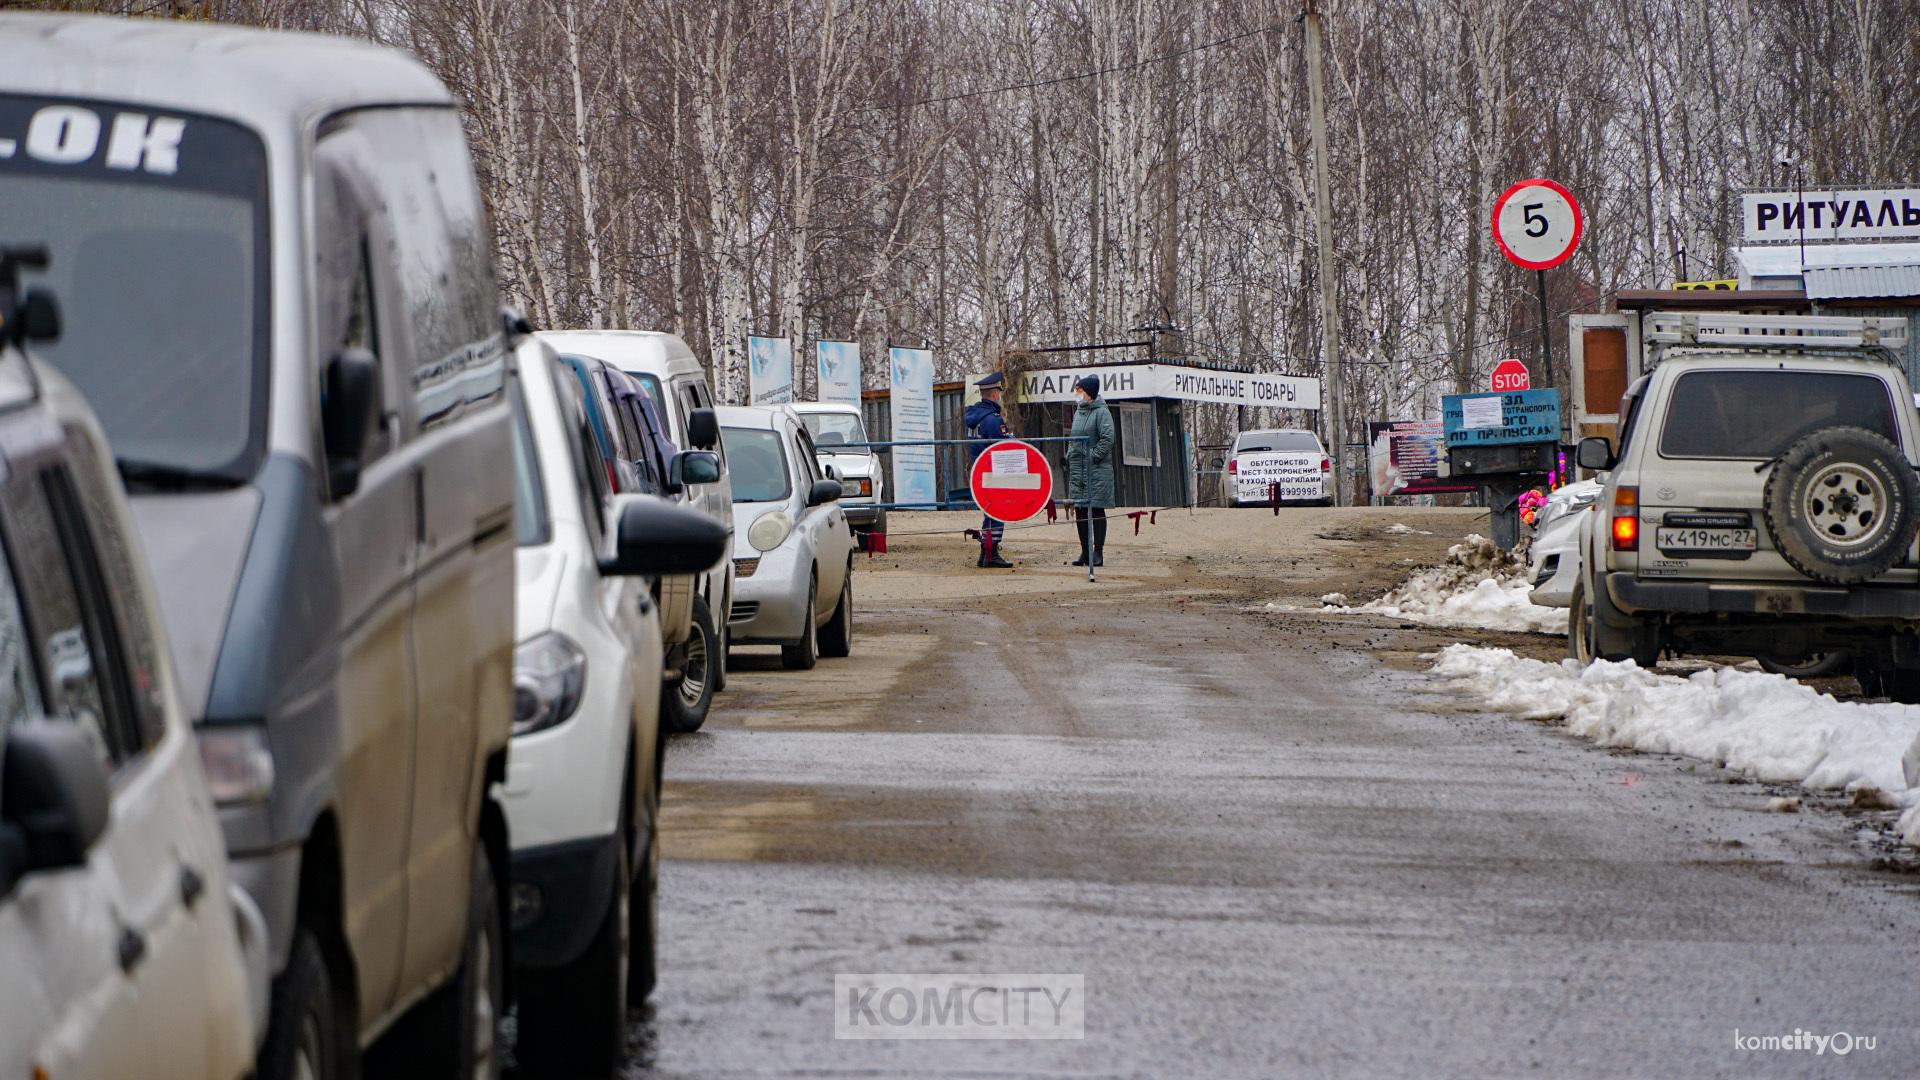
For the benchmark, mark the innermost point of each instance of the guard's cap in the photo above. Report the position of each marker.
(994, 381)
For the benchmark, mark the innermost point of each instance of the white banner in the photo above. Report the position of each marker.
(911, 404)
(1867, 214)
(1133, 381)
(838, 365)
(769, 371)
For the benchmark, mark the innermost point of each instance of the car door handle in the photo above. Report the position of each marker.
(131, 949)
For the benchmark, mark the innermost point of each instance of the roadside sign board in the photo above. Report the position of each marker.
(1525, 416)
(1537, 224)
(1403, 458)
(1509, 375)
(1010, 481)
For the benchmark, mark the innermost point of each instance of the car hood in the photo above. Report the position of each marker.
(196, 544)
(539, 574)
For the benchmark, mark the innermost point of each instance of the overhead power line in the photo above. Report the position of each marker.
(1077, 76)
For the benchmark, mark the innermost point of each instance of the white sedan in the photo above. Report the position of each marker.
(793, 548)
(1553, 559)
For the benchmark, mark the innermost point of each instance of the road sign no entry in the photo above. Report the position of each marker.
(1010, 481)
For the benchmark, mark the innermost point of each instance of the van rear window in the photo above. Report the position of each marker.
(1758, 414)
(1279, 441)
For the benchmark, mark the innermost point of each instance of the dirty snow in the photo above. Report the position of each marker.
(1764, 726)
(1397, 529)
(1479, 586)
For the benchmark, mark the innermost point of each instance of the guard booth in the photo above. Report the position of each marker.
(1504, 443)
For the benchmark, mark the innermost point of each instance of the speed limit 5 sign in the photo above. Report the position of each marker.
(1537, 224)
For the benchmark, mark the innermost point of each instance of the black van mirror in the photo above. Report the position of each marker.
(653, 537)
(54, 800)
(348, 416)
(515, 326)
(703, 429)
(1594, 452)
(39, 317)
(823, 492)
(693, 467)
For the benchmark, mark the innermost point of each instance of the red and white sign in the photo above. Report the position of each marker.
(1537, 224)
(1510, 375)
(1011, 481)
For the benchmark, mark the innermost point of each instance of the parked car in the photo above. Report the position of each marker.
(1553, 558)
(126, 950)
(1291, 458)
(676, 384)
(1761, 501)
(627, 431)
(280, 295)
(792, 547)
(862, 481)
(583, 785)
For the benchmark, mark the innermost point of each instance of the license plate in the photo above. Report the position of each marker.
(1708, 540)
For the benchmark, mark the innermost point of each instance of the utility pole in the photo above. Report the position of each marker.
(1323, 213)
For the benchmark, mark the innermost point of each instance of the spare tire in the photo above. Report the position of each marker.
(1840, 505)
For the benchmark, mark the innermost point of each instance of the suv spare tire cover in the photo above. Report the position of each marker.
(1840, 505)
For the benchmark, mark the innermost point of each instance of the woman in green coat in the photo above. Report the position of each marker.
(1090, 470)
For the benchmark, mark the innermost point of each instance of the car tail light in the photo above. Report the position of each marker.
(1233, 466)
(1626, 519)
(1326, 464)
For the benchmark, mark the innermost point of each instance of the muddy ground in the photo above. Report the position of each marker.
(1268, 843)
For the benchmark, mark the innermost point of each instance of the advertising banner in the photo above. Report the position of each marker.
(1404, 456)
(769, 371)
(911, 401)
(838, 365)
(1781, 217)
(1133, 381)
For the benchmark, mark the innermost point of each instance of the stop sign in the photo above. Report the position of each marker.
(1010, 481)
(1510, 375)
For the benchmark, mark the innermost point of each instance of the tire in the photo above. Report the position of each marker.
(685, 702)
(1840, 505)
(719, 663)
(643, 926)
(459, 1033)
(836, 638)
(1872, 675)
(1580, 626)
(573, 1019)
(306, 1034)
(1903, 685)
(804, 653)
(1815, 666)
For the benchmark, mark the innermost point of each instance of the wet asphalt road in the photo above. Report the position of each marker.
(1269, 853)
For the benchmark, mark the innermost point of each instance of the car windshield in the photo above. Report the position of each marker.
(758, 463)
(159, 264)
(1758, 414)
(653, 389)
(1282, 441)
(832, 431)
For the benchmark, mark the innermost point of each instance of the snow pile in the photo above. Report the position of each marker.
(1478, 586)
(1764, 726)
(1398, 529)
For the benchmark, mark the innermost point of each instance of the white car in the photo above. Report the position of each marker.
(792, 547)
(1553, 559)
(583, 776)
(862, 480)
(1289, 457)
(126, 949)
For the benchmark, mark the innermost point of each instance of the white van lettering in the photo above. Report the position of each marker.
(150, 142)
(63, 134)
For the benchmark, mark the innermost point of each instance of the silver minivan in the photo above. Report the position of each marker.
(279, 295)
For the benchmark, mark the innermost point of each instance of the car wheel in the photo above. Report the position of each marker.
(1812, 666)
(573, 1019)
(836, 638)
(1580, 626)
(804, 653)
(1840, 505)
(1903, 685)
(304, 1027)
(685, 702)
(460, 1032)
(718, 662)
(643, 920)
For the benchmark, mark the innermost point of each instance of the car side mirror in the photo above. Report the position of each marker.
(514, 326)
(822, 492)
(1594, 452)
(39, 317)
(652, 537)
(693, 467)
(347, 419)
(703, 429)
(54, 800)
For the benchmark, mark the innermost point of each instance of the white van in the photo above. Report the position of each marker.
(677, 382)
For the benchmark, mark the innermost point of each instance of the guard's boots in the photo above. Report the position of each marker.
(993, 561)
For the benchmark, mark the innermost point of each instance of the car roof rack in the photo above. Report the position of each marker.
(1773, 331)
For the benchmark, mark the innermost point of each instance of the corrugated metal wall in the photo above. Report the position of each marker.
(1867, 309)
